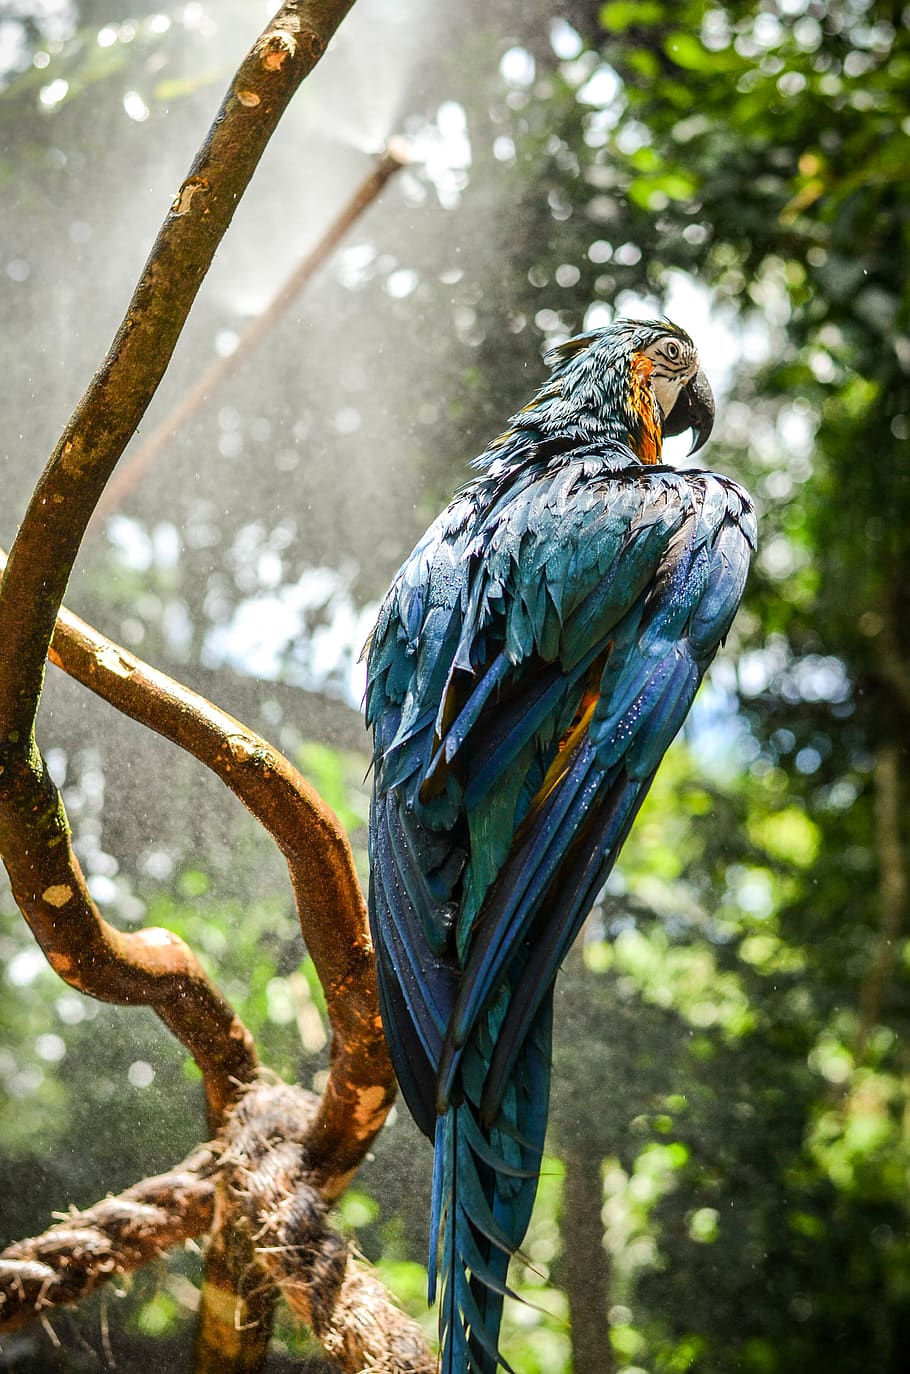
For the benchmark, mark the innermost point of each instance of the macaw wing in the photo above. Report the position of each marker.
(417, 984)
(414, 866)
(473, 672)
(552, 579)
(581, 813)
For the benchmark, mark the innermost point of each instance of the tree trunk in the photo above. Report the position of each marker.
(586, 1264)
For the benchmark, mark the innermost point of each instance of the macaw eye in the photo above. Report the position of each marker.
(672, 350)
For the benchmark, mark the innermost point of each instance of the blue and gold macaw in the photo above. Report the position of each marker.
(531, 662)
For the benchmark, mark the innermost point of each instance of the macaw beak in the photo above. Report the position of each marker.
(694, 410)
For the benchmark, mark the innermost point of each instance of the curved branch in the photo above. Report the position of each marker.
(150, 967)
(330, 906)
(153, 967)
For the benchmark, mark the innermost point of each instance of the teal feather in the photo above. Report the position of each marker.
(567, 586)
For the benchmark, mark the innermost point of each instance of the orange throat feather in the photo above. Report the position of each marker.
(648, 441)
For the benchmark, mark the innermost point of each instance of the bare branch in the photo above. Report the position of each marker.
(150, 967)
(117, 396)
(153, 967)
(138, 463)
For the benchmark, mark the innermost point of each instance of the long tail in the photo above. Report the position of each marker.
(484, 1184)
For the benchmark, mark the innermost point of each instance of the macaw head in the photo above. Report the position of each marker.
(636, 380)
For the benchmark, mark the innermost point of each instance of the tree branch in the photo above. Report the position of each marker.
(337, 1297)
(42, 556)
(149, 967)
(330, 905)
(153, 967)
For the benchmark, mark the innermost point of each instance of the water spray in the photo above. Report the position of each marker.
(389, 160)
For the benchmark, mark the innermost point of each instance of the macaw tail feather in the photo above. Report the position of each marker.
(484, 1184)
